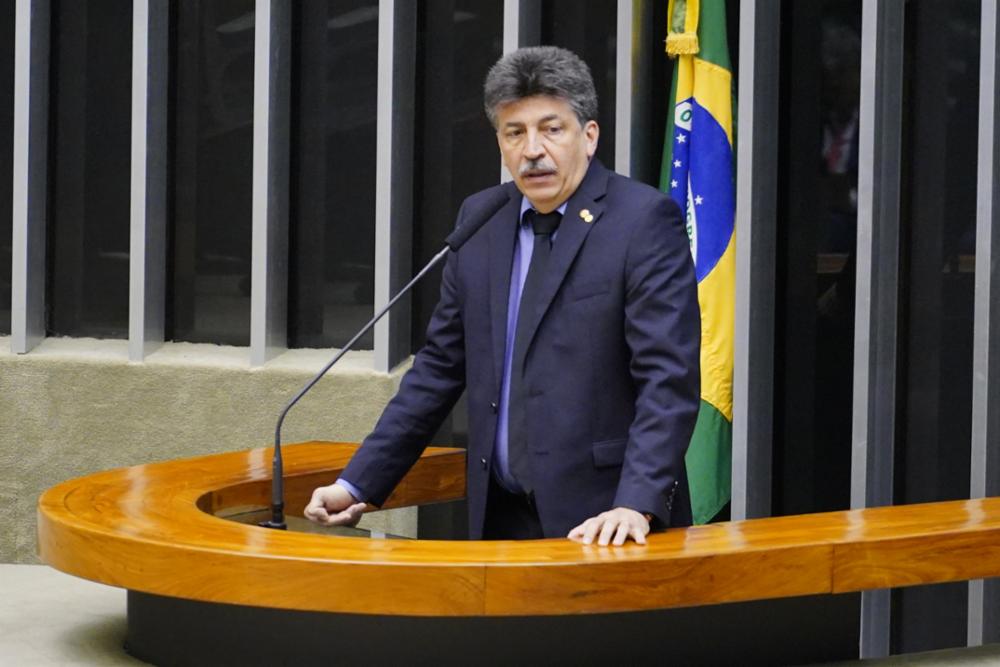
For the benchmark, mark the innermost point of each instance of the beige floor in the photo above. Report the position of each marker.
(50, 619)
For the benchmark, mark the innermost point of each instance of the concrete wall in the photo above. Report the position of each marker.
(76, 406)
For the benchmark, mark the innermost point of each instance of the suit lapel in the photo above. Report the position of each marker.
(573, 231)
(503, 232)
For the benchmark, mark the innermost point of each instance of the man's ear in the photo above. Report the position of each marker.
(591, 132)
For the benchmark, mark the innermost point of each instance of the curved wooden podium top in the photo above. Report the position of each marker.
(152, 528)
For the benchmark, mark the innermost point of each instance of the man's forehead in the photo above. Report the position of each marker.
(521, 120)
(535, 109)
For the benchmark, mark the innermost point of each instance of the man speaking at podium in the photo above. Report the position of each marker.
(571, 317)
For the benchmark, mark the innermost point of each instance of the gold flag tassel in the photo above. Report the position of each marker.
(682, 27)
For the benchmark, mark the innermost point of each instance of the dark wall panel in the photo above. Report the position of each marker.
(456, 148)
(589, 30)
(334, 98)
(90, 134)
(815, 271)
(6, 149)
(211, 92)
(938, 224)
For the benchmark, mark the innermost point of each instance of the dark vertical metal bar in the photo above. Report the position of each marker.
(756, 222)
(984, 596)
(644, 50)
(876, 315)
(269, 266)
(68, 189)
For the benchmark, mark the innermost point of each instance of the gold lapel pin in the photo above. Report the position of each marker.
(586, 216)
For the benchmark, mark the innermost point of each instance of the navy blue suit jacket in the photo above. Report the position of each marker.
(612, 370)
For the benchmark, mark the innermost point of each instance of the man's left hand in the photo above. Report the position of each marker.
(612, 527)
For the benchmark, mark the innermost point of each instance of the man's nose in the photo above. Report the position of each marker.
(533, 146)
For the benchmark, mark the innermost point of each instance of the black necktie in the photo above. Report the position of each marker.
(543, 224)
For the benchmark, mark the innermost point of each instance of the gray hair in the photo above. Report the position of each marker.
(541, 70)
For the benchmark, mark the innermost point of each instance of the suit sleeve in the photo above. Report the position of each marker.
(663, 334)
(426, 395)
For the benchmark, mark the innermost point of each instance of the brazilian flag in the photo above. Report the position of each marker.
(697, 172)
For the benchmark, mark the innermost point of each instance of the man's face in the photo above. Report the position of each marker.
(545, 148)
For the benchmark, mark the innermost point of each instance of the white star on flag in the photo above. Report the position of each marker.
(673, 184)
(677, 163)
(698, 200)
(681, 138)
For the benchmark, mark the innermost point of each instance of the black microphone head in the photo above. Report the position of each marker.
(492, 201)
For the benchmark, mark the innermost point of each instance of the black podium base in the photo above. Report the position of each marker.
(169, 631)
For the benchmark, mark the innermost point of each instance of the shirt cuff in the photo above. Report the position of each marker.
(351, 489)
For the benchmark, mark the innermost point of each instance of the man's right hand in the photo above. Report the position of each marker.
(334, 506)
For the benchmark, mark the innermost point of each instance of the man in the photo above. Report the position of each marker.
(571, 317)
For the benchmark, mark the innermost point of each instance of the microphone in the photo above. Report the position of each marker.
(491, 204)
(494, 200)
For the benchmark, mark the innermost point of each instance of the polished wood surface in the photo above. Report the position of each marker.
(152, 528)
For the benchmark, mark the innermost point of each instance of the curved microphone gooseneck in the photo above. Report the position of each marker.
(453, 242)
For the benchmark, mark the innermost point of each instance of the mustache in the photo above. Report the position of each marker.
(540, 164)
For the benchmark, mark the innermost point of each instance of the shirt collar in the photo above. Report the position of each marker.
(526, 206)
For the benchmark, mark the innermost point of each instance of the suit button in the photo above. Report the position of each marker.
(483, 461)
(493, 407)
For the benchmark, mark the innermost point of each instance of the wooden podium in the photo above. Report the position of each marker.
(207, 590)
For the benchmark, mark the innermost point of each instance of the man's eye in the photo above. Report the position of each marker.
(554, 129)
